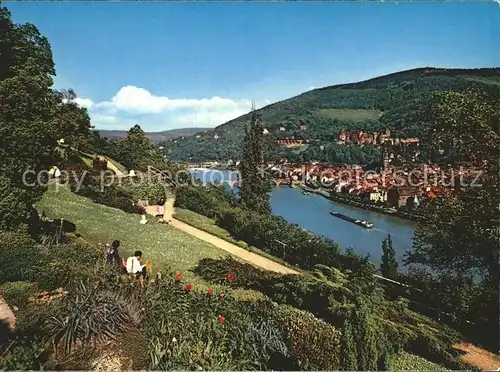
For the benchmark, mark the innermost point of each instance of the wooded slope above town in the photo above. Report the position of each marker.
(389, 101)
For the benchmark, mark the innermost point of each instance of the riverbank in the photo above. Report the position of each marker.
(370, 207)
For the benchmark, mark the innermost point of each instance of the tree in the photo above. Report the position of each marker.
(463, 240)
(366, 341)
(137, 152)
(27, 133)
(71, 121)
(389, 265)
(348, 353)
(255, 184)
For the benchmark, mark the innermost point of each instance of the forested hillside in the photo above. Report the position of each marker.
(384, 102)
(155, 137)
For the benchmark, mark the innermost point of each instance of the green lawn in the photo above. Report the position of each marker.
(160, 244)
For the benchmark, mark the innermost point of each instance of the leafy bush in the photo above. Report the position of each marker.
(67, 263)
(327, 296)
(23, 355)
(18, 257)
(208, 201)
(112, 196)
(314, 343)
(335, 297)
(145, 190)
(404, 361)
(16, 293)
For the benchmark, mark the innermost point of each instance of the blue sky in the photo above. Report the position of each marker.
(167, 65)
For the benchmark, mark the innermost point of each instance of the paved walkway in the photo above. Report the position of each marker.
(233, 249)
(113, 167)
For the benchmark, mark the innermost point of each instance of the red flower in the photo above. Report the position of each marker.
(210, 291)
(221, 318)
(188, 287)
(178, 276)
(230, 277)
(222, 294)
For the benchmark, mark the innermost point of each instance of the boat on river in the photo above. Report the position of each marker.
(362, 223)
(306, 193)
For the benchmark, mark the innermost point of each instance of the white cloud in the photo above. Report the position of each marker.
(133, 105)
(84, 102)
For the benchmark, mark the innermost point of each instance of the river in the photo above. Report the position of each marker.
(312, 213)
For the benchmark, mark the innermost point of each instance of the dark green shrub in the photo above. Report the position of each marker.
(18, 257)
(151, 191)
(23, 355)
(208, 201)
(380, 330)
(404, 361)
(16, 293)
(67, 263)
(326, 296)
(314, 343)
(348, 353)
(113, 196)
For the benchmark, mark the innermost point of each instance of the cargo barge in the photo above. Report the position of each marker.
(361, 223)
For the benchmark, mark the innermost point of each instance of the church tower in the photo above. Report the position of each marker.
(385, 158)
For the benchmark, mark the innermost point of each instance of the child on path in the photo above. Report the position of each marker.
(160, 210)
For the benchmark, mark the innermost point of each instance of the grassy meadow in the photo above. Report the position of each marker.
(161, 244)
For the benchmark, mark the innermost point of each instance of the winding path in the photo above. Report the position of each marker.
(233, 249)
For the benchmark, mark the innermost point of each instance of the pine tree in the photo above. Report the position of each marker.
(255, 184)
(348, 353)
(389, 265)
(366, 342)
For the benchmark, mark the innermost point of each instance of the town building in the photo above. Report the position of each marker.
(289, 143)
(399, 196)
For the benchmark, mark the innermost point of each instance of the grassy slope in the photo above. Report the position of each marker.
(156, 137)
(160, 244)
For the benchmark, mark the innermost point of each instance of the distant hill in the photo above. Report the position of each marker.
(371, 105)
(156, 137)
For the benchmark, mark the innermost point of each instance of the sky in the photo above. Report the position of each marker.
(172, 65)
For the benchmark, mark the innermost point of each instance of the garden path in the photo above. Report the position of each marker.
(233, 249)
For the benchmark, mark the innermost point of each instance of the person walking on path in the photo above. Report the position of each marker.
(160, 210)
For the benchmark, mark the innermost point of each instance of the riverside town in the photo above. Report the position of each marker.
(198, 187)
